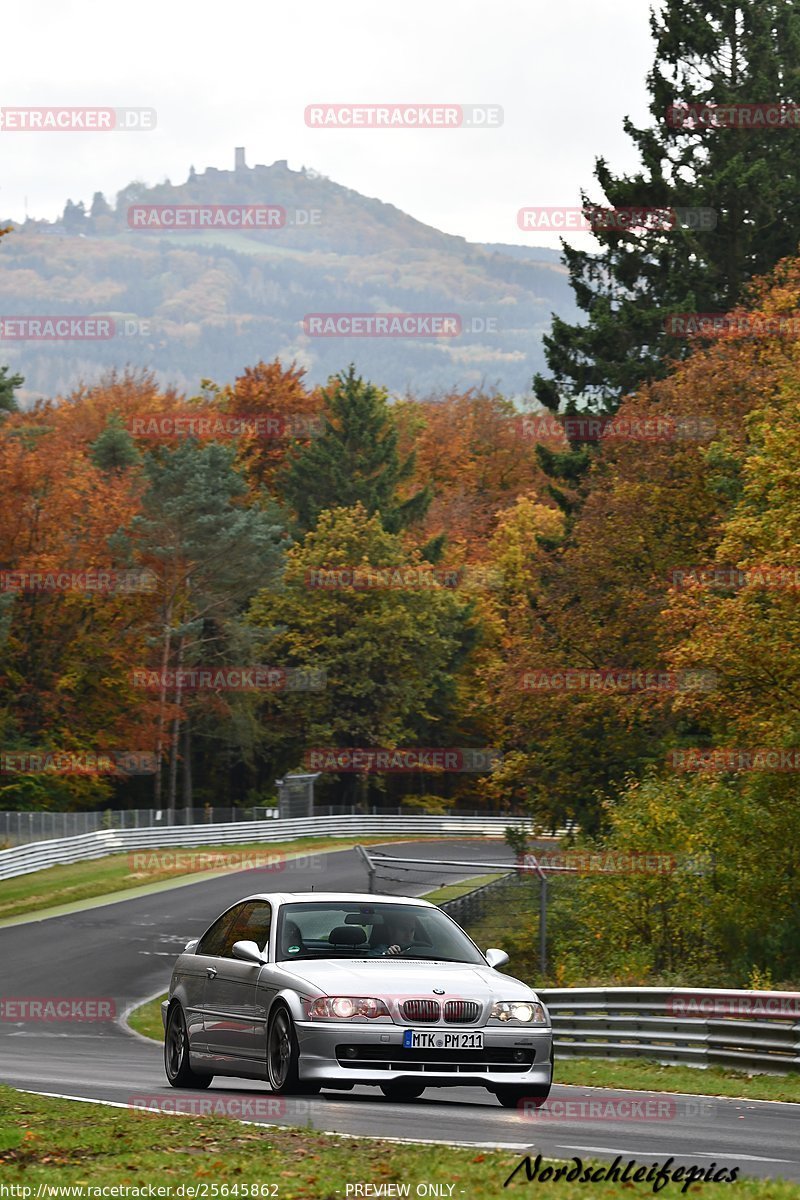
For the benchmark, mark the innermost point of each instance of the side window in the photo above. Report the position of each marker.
(250, 924)
(214, 939)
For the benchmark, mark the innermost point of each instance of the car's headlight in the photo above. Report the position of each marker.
(518, 1010)
(345, 1008)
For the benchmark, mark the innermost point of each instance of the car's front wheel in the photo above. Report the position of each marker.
(283, 1057)
(531, 1097)
(176, 1053)
(402, 1090)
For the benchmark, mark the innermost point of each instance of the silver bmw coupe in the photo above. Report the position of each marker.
(329, 989)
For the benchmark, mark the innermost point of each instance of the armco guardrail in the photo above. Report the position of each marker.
(22, 860)
(19, 827)
(754, 1031)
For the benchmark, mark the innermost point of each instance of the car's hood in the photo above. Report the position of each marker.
(382, 977)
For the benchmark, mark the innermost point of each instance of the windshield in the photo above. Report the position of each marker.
(359, 931)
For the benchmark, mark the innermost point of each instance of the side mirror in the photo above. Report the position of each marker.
(248, 952)
(191, 946)
(496, 958)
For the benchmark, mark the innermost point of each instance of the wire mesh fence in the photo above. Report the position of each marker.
(16, 828)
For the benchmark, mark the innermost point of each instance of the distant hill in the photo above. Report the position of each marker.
(206, 303)
(530, 253)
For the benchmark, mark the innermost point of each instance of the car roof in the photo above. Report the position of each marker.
(327, 897)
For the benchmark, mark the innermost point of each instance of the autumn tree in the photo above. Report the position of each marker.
(388, 655)
(656, 499)
(722, 904)
(211, 551)
(278, 415)
(65, 656)
(474, 451)
(736, 612)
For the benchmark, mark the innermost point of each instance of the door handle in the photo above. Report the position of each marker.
(211, 972)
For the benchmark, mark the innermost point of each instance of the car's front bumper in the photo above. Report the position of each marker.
(359, 1053)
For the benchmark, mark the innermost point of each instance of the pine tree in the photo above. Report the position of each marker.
(355, 460)
(74, 217)
(114, 449)
(100, 206)
(8, 401)
(707, 52)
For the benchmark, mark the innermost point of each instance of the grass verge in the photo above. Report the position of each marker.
(137, 868)
(146, 1019)
(43, 1140)
(451, 891)
(649, 1076)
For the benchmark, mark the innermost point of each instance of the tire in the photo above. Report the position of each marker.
(514, 1096)
(176, 1053)
(402, 1090)
(283, 1057)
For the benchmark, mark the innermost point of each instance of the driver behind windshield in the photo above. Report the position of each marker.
(401, 929)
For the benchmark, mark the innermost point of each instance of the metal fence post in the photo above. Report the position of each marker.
(370, 868)
(543, 925)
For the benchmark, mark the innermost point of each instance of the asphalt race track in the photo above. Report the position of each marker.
(124, 952)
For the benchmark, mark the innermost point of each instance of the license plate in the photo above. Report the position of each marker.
(439, 1039)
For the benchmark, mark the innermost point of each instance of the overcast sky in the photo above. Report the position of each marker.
(242, 73)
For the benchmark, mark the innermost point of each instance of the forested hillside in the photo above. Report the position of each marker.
(206, 302)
